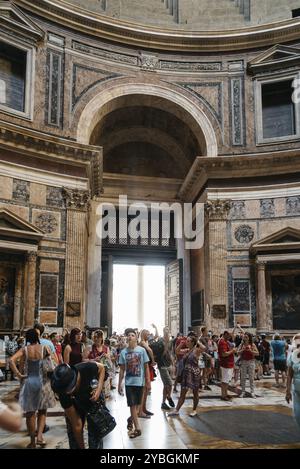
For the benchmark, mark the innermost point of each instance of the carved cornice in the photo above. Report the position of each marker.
(238, 166)
(12, 19)
(76, 199)
(277, 57)
(16, 138)
(39, 145)
(217, 209)
(140, 36)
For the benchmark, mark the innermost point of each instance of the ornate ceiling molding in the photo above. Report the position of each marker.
(161, 38)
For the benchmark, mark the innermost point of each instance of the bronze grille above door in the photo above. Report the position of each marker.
(154, 238)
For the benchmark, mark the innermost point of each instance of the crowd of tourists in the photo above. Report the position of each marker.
(80, 370)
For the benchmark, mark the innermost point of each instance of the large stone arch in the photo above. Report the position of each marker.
(185, 108)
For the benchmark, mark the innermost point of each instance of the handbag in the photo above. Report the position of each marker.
(101, 419)
(48, 365)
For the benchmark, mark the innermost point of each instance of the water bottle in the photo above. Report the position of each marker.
(94, 384)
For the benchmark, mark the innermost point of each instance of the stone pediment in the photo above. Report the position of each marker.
(277, 56)
(12, 18)
(286, 239)
(13, 226)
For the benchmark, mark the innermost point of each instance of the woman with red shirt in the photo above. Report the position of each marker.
(247, 351)
(99, 350)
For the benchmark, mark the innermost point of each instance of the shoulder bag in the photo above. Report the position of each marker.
(101, 419)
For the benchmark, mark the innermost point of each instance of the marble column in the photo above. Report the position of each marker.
(30, 286)
(261, 312)
(76, 253)
(94, 268)
(217, 213)
(18, 298)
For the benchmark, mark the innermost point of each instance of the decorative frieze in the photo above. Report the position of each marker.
(191, 66)
(244, 234)
(217, 209)
(293, 205)
(21, 190)
(54, 197)
(238, 209)
(105, 54)
(76, 199)
(267, 208)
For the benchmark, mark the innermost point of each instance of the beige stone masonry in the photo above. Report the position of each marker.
(47, 265)
(37, 194)
(6, 186)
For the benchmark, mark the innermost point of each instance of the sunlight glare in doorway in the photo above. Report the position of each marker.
(126, 297)
(154, 296)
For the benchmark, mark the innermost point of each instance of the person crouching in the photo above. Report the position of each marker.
(74, 387)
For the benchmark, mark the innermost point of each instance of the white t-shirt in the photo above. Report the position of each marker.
(289, 351)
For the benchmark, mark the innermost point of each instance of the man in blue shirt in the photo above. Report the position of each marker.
(279, 348)
(133, 361)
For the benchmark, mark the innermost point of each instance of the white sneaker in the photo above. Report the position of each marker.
(193, 413)
(173, 413)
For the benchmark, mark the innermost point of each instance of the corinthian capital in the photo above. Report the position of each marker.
(31, 256)
(76, 198)
(217, 209)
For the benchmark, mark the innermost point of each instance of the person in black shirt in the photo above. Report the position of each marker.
(73, 386)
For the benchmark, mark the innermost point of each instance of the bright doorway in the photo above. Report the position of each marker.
(138, 296)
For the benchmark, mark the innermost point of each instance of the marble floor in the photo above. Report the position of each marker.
(264, 422)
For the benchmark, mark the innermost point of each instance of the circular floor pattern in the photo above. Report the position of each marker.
(248, 426)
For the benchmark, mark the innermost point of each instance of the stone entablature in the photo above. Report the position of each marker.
(14, 138)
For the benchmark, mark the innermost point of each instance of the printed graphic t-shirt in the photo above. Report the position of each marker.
(134, 361)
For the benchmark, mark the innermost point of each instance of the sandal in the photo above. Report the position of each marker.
(129, 424)
(41, 443)
(135, 433)
(31, 446)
